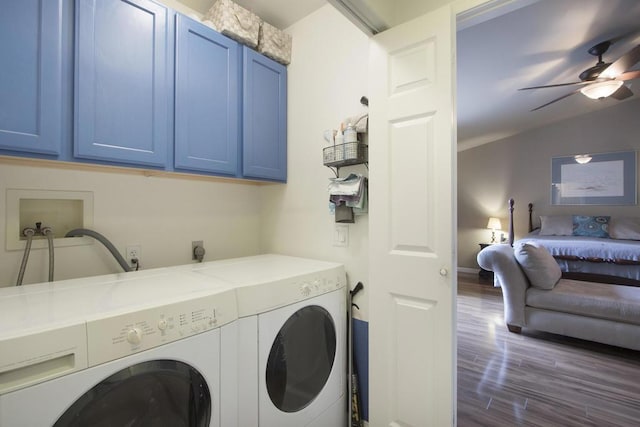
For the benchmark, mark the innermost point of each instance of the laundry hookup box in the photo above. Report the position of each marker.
(236, 22)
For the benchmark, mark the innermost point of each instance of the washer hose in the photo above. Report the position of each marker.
(99, 237)
(28, 232)
(49, 233)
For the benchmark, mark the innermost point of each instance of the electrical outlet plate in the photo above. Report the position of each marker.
(133, 252)
(341, 235)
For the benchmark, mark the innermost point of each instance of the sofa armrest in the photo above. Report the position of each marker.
(514, 283)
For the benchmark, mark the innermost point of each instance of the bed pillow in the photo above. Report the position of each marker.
(538, 265)
(591, 226)
(556, 225)
(624, 228)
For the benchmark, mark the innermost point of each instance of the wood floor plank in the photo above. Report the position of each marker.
(536, 378)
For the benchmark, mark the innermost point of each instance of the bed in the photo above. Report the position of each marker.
(594, 248)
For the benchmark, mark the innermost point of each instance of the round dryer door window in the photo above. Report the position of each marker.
(301, 358)
(154, 393)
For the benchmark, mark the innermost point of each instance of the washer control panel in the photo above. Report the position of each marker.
(121, 335)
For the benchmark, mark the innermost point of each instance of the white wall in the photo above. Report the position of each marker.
(326, 78)
(161, 214)
(520, 167)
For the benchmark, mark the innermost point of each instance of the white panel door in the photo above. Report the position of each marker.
(412, 155)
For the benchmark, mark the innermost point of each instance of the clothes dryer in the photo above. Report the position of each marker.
(135, 349)
(291, 339)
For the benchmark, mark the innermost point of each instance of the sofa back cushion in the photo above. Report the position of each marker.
(539, 266)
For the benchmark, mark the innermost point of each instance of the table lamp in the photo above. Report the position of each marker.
(494, 224)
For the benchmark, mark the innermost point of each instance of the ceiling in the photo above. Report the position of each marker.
(543, 43)
(526, 43)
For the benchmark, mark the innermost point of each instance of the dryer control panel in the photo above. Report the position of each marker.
(263, 297)
(124, 334)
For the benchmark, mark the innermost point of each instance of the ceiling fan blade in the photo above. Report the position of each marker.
(622, 64)
(556, 85)
(622, 93)
(557, 99)
(629, 75)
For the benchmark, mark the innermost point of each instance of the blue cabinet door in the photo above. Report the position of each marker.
(206, 99)
(121, 82)
(264, 115)
(30, 76)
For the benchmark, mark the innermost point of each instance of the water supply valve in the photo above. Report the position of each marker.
(197, 251)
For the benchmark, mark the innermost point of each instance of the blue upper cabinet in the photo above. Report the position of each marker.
(206, 99)
(264, 115)
(121, 110)
(31, 76)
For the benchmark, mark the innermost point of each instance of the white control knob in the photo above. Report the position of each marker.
(305, 289)
(162, 324)
(134, 336)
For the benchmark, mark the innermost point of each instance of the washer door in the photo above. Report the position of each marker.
(301, 358)
(151, 393)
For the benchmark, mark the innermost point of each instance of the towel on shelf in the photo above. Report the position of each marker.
(351, 193)
(347, 186)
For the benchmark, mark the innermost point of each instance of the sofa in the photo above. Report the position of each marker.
(537, 297)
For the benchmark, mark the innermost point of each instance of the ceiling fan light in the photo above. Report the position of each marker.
(601, 89)
(582, 158)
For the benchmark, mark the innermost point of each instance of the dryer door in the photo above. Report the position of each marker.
(302, 361)
(301, 358)
(151, 393)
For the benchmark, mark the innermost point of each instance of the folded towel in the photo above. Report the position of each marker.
(348, 186)
(354, 201)
(350, 192)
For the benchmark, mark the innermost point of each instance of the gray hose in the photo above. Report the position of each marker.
(99, 237)
(29, 232)
(47, 232)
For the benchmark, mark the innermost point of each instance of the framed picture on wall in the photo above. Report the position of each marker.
(594, 179)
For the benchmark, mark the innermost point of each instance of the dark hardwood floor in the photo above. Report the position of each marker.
(535, 378)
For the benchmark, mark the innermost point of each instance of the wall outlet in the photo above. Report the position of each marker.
(133, 252)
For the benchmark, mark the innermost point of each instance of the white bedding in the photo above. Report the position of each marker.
(588, 247)
(612, 250)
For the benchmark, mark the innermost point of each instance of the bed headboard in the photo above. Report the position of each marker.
(511, 230)
(511, 234)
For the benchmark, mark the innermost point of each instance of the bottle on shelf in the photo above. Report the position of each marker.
(339, 144)
(350, 134)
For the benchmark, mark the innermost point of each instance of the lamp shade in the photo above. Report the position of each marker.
(494, 224)
(602, 89)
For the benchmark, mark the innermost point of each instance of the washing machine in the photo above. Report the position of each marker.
(134, 349)
(291, 340)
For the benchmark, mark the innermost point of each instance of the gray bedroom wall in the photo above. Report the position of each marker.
(520, 167)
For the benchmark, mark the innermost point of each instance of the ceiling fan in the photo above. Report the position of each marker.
(603, 79)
